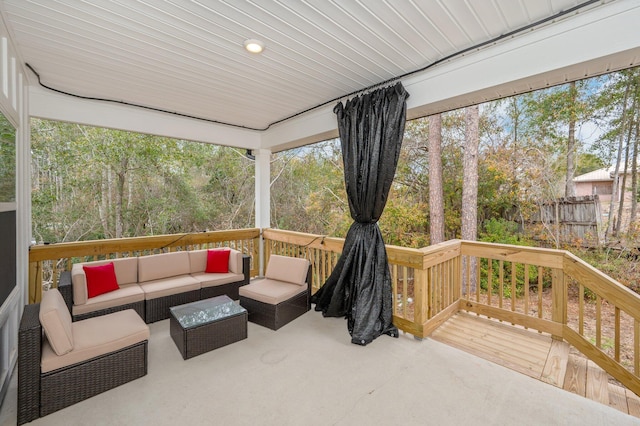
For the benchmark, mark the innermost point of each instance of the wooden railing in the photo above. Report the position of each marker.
(46, 262)
(409, 278)
(550, 291)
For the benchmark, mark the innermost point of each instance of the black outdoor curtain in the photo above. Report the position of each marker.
(371, 127)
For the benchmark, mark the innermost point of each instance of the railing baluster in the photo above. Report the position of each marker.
(429, 296)
(598, 322)
(394, 287)
(526, 289)
(581, 310)
(636, 347)
(501, 283)
(489, 280)
(478, 276)
(405, 285)
(540, 291)
(513, 285)
(617, 335)
(466, 288)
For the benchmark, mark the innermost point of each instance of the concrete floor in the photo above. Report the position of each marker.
(308, 373)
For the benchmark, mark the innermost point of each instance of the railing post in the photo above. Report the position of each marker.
(420, 307)
(35, 282)
(558, 298)
(257, 251)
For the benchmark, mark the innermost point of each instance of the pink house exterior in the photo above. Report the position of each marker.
(600, 182)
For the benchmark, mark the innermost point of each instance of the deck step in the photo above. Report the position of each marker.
(536, 355)
(633, 402)
(521, 350)
(597, 383)
(575, 379)
(556, 366)
(617, 398)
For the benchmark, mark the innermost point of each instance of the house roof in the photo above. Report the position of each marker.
(187, 58)
(603, 174)
(600, 175)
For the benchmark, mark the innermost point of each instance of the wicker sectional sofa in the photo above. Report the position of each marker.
(61, 362)
(150, 285)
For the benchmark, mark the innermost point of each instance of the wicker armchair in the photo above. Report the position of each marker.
(48, 382)
(282, 295)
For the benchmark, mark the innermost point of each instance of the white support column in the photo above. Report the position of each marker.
(23, 196)
(263, 196)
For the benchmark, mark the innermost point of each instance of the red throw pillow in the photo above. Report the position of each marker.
(100, 279)
(218, 261)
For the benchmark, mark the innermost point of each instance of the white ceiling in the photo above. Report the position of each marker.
(187, 56)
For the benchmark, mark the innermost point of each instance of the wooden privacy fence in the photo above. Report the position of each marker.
(46, 262)
(571, 218)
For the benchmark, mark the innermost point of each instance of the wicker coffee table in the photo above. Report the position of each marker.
(205, 325)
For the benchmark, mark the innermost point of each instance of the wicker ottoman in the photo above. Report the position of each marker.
(205, 325)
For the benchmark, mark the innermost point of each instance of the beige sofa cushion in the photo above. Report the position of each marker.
(159, 266)
(126, 270)
(271, 291)
(169, 286)
(210, 280)
(289, 269)
(98, 336)
(198, 261)
(126, 294)
(56, 321)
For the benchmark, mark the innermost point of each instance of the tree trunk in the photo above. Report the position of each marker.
(623, 186)
(122, 177)
(436, 195)
(470, 190)
(103, 207)
(470, 175)
(570, 186)
(634, 179)
(614, 193)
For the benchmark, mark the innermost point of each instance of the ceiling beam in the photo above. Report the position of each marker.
(49, 105)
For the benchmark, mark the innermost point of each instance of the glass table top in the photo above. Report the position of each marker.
(206, 311)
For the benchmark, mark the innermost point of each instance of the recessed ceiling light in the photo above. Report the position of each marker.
(254, 46)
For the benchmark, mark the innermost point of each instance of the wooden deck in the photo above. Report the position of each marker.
(536, 355)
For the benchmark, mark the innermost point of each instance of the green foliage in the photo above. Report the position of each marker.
(7, 161)
(404, 225)
(505, 270)
(588, 162)
(502, 231)
(621, 265)
(307, 190)
(96, 183)
(92, 183)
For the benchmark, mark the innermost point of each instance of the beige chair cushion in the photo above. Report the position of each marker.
(56, 321)
(126, 270)
(159, 266)
(126, 294)
(98, 336)
(198, 261)
(271, 291)
(169, 286)
(210, 280)
(289, 269)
